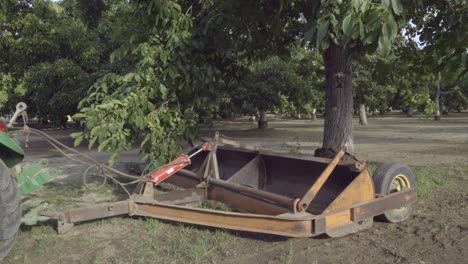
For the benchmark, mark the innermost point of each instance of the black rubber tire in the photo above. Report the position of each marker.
(383, 177)
(10, 210)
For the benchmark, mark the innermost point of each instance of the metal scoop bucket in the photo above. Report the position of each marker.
(275, 184)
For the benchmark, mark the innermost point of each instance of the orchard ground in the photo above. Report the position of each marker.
(437, 231)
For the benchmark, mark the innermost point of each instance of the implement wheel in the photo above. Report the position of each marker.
(10, 210)
(393, 177)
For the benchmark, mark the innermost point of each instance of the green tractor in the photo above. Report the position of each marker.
(16, 180)
(11, 154)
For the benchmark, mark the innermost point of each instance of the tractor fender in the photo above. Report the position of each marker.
(10, 151)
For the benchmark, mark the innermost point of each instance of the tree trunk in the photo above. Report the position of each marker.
(410, 111)
(338, 128)
(262, 120)
(437, 100)
(437, 104)
(362, 115)
(314, 114)
(64, 122)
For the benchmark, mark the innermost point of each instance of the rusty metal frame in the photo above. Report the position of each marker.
(260, 211)
(286, 224)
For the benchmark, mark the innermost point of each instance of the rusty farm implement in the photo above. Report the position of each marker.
(268, 192)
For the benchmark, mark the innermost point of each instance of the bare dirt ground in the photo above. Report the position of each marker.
(437, 232)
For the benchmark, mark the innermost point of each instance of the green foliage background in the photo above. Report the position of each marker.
(147, 71)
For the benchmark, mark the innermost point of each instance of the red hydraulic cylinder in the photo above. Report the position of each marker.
(174, 166)
(170, 169)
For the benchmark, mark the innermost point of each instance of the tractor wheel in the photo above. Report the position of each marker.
(10, 210)
(393, 177)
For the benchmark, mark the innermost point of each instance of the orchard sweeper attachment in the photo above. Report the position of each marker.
(269, 193)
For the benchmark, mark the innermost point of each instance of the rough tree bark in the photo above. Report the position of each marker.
(437, 100)
(437, 104)
(362, 115)
(338, 128)
(262, 120)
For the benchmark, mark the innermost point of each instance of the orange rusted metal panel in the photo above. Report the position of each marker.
(284, 226)
(360, 190)
(338, 219)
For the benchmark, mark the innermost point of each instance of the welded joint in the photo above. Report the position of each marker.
(320, 225)
(132, 208)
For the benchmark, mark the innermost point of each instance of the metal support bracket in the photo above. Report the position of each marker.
(310, 194)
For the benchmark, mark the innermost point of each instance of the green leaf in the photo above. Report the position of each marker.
(391, 23)
(94, 130)
(355, 30)
(104, 87)
(384, 45)
(386, 31)
(347, 25)
(91, 142)
(373, 20)
(76, 134)
(322, 30)
(129, 77)
(356, 4)
(162, 88)
(370, 38)
(147, 137)
(386, 3)
(79, 116)
(309, 34)
(362, 31)
(78, 141)
(325, 44)
(103, 144)
(334, 21)
(177, 7)
(365, 6)
(113, 158)
(397, 7)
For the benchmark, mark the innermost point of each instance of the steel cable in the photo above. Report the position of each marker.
(91, 162)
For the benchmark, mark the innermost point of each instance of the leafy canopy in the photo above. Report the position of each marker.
(147, 98)
(357, 24)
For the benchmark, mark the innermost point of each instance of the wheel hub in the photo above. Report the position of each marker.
(399, 182)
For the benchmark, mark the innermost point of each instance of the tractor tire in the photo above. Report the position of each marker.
(389, 178)
(10, 210)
